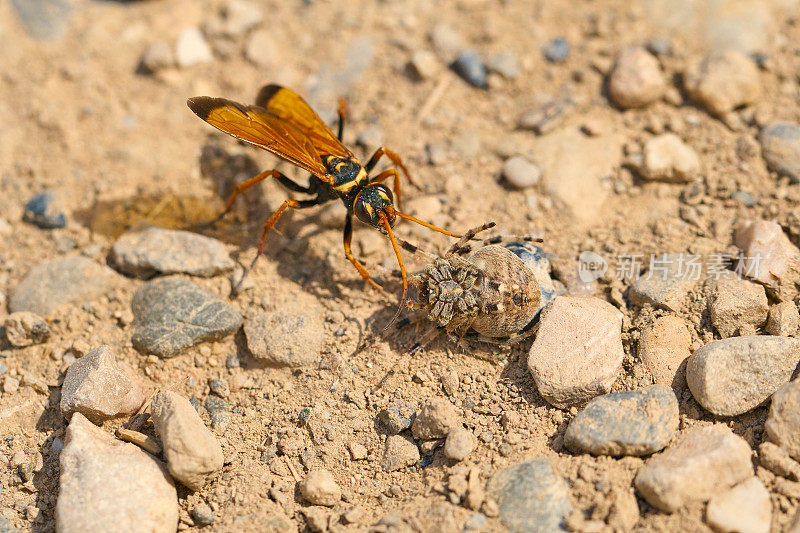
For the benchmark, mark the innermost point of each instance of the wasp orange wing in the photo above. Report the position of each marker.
(290, 106)
(260, 127)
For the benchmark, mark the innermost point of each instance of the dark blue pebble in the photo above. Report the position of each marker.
(556, 51)
(304, 415)
(470, 67)
(195, 403)
(425, 461)
(40, 211)
(232, 361)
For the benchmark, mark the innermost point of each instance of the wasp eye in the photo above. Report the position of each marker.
(364, 211)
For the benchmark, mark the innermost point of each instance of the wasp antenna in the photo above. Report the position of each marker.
(423, 223)
(388, 227)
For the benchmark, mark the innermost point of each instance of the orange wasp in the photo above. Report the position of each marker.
(282, 123)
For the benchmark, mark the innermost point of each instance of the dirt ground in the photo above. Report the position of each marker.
(82, 120)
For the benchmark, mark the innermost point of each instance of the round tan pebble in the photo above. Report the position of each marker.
(320, 488)
(459, 444)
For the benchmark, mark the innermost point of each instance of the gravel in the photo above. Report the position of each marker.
(578, 351)
(770, 257)
(459, 444)
(399, 452)
(152, 251)
(724, 81)
(556, 51)
(732, 376)
(530, 497)
(320, 488)
(783, 423)
(98, 388)
(667, 158)
(663, 285)
(435, 420)
(291, 337)
(521, 173)
(706, 461)
(636, 79)
(780, 146)
(470, 67)
(58, 282)
(783, 320)
(397, 416)
(25, 329)
(191, 450)
(172, 314)
(505, 63)
(43, 211)
(664, 347)
(109, 485)
(734, 303)
(192, 48)
(745, 507)
(638, 422)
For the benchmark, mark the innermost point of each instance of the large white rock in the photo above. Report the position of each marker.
(110, 485)
(578, 350)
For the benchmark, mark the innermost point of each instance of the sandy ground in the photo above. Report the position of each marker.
(81, 122)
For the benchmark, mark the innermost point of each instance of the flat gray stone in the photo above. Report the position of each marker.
(172, 314)
(151, 251)
(732, 376)
(531, 498)
(705, 462)
(110, 485)
(638, 422)
(58, 282)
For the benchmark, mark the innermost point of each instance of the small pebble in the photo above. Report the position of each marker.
(724, 81)
(399, 453)
(667, 158)
(577, 352)
(530, 497)
(665, 286)
(659, 46)
(446, 41)
(521, 173)
(783, 320)
(736, 302)
(470, 67)
(664, 346)
(157, 56)
(743, 508)
(241, 16)
(10, 385)
(556, 51)
(783, 423)
(636, 79)
(547, 116)
(151, 251)
(435, 420)
(423, 64)
(358, 452)
(780, 145)
(191, 450)
(219, 387)
(192, 48)
(260, 48)
(291, 336)
(26, 329)
(320, 488)
(777, 460)
(459, 444)
(705, 462)
(232, 361)
(98, 388)
(42, 210)
(202, 515)
(732, 376)
(506, 64)
(770, 257)
(638, 422)
(397, 416)
(745, 198)
(217, 410)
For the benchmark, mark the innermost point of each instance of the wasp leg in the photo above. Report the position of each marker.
(348, 235)
(392, 172)
(297, 204)
(395, 159)
(461, 247)
(255, 180)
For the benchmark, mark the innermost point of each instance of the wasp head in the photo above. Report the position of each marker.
(371, 202)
